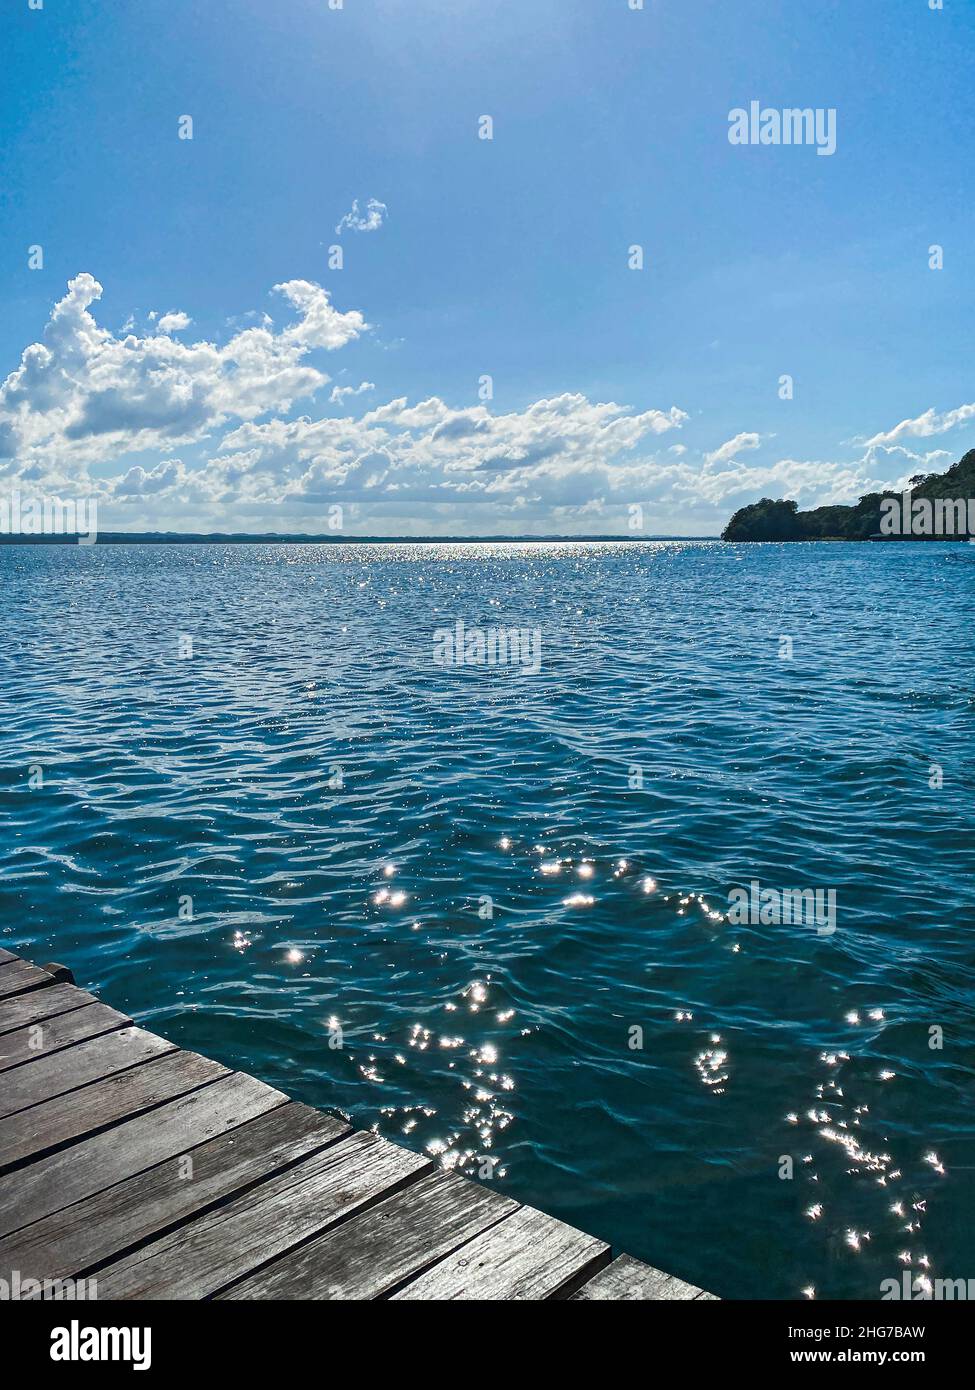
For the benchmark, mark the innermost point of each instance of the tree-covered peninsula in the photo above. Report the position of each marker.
(934, 511)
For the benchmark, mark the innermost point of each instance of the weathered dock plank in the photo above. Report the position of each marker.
(19, 977)
(111, 1223)
(627, 1280)
(6, 955)
(48, 1126)
(54, 1034)
(51, 1184)
(231, 1242)
(527, 1256)
(373, 1254)
(46, 1078)
(25, 1010)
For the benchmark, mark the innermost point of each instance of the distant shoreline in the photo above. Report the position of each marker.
(231, 538)
(256, 538)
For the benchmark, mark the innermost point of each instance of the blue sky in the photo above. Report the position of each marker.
(612, 388)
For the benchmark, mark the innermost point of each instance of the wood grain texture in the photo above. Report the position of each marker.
(26, 1009)
(527, 1256)
(19, 976)
(110, 1223)
(52, 1034)
(370, 1255)
(627, 1280)
(53, 1183)
(48, 1077)
(56, 1122)
(227, 1244)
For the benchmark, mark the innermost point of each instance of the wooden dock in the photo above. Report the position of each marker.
(163, 1175)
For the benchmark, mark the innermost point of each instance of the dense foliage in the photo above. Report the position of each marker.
(769, 520)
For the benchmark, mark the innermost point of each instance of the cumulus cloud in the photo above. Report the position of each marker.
(931, 461)
(732, 448)
(174, 322)
(341, 393)
(923, 426)
(563, 450)
(140, 482)
(369, 221)
(83, 397)
(85, 390)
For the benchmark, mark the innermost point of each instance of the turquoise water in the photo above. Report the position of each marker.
(362, 833)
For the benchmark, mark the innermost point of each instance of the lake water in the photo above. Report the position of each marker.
(506, 894)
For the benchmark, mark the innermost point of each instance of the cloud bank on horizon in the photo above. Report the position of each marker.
(190, 436)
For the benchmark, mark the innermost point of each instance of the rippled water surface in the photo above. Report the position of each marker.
(506, 895)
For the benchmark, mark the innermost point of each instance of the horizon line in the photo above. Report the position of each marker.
(302, 538)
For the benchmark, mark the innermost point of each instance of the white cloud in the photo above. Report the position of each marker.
(369, 221)
(923, 426)
(83, 391)
(139, 482)
(731, 448)
(557, 450)
(83, 399)
(341, 393)
(934, 460)
(174, 321)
